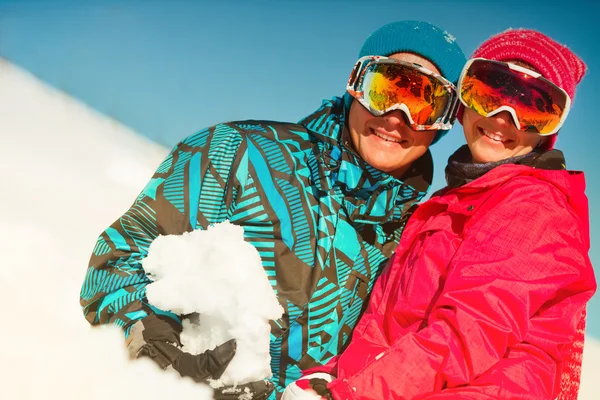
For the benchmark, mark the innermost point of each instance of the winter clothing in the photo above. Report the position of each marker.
(482, 297)
(571, 373)
(313, 386)
(323, 221)
(461, 170)
(421, 38)
(553, 60)
(418, 37)
(157, 337)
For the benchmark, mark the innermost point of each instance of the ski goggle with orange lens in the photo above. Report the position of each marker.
(383, 84)
(535, 104)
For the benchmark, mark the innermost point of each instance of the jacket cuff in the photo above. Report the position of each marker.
(341, 390)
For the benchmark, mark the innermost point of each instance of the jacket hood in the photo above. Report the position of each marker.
(370, 195)
(570, 183)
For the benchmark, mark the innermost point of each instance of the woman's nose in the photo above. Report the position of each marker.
(504, 119)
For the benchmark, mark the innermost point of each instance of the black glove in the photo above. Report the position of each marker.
(260, 390)
(157, 337)
(319, 385)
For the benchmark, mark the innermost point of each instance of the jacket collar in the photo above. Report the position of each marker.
(462, 170)
(368, 194)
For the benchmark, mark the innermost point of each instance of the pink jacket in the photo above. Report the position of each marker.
(482, 297)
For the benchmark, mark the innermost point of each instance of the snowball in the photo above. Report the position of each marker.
(218, 276)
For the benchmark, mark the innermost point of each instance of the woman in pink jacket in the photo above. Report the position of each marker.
(485, 292)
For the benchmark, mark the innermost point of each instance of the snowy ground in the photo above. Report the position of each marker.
(67, 173)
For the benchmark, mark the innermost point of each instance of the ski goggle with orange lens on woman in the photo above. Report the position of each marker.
(535, 104)
(383, 84)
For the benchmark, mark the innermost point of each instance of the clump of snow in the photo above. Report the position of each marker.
(219, 276)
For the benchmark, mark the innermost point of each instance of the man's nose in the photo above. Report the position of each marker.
(396, 118)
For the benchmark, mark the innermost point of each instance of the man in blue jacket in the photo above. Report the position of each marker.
(324, 202)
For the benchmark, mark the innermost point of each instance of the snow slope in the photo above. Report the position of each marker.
(68, 172)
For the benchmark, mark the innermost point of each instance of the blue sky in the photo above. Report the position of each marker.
(168, 69)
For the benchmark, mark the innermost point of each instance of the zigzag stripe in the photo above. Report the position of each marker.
(140, 224)
(126, 266)
(300, 226)
(101, 247)
(293, 142)
(273, 151)
(119, 323)
(106, 305)
(313, 166)
(165, 165)
(248, 204)
(173, 191)
(249, 200)
(326, 291)
(99, 282)
(252, 127)
(198, 139)
(256, 213)
(293, 311)
(234, 205)
(321, 306)
(375, 259)
(114, 282)
(275, 350)
(123, 301)
(211, 200)
(268, 261)
(93, 280)
(328, 125)
(174, 186)
(224, 145)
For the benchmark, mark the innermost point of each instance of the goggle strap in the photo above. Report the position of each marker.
(449, 119)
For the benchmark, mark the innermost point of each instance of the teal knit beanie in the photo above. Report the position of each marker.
(418, 37)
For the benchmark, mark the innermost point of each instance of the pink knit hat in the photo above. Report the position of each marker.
(553, 60)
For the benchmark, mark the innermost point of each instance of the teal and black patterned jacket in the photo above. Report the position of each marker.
(323, 221)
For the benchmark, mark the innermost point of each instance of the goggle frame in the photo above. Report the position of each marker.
(444, 122)
(508, 108)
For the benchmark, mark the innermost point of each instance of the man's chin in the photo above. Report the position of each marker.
(387, 167)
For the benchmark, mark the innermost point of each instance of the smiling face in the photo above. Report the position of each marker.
(387, 142)
(496, 138)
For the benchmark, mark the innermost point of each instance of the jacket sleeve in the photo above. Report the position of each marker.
(194, 187)
(516, 288)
